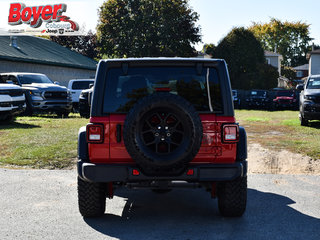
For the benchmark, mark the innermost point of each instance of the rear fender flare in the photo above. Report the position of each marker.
(83, 145)
(242, 152)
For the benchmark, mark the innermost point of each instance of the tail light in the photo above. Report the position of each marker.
(190, 172)
(230, 133)
(95, 133)
(135, 172)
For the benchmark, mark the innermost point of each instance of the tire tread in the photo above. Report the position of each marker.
(91, 198)
(232, 197)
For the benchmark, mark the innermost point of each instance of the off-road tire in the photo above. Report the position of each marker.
(84, 115)
(303, 121)
(91, 198)
(176, 159)
(28, 111)
(9, 119)
(232, 197)
(63, 114)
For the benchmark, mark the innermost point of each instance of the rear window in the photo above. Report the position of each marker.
(122, 91)
(80, 85)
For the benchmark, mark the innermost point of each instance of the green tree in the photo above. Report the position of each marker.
(209, 49)
(289, 73)
(290, 39)
(84, 44)
(267, 77)
(147, 28)
(246, 62)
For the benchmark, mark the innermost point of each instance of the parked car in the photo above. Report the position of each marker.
(285, 99)
(162, 123)
(236, 99)
(75, 86)
(309, 100)
(258, 99)
(42, 95)
(85, 102)
(12, 101)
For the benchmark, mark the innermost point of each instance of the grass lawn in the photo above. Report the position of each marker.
(40, 142)
(48, 142)
(281, 130)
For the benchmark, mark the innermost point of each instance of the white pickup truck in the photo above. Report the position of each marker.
(76, 86)
(12, 101)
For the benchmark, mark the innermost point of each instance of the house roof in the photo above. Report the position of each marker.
(302, 67)
(42, 51)
(271, 54)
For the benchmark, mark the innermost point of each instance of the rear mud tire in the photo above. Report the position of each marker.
(232, 197)
(91, 198)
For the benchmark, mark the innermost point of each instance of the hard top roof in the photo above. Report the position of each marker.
(162, 59)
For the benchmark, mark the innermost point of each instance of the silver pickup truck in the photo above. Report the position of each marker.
(42, 95)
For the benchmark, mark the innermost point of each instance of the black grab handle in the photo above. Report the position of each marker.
(118, 133)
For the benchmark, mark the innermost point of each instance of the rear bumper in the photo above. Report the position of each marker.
(124, 173)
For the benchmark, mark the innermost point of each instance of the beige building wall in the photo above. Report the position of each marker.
(55, 73)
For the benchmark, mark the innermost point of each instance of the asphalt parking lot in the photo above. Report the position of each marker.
(42, 204)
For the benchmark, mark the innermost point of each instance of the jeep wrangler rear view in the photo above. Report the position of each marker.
(162, 123)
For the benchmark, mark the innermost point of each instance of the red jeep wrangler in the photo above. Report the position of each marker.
(162, 123)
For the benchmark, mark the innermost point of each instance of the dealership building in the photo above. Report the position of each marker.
(39, 55)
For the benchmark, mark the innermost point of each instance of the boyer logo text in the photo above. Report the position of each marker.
(34, 16)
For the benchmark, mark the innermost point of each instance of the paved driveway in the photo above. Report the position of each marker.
(42, 204)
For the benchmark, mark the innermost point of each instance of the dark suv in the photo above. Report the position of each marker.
(162, 123)
(309, 105)
(258, 99)
(42, 95)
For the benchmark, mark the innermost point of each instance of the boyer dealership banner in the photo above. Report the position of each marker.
(44, 17)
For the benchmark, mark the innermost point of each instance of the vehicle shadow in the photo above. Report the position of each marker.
(185, 214)
(54, 116)
(17, 125)
(315, 124)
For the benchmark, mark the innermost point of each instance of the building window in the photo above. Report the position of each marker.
(268, 61)
(299, 74)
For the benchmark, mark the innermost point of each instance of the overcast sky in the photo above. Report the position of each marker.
(217, 18)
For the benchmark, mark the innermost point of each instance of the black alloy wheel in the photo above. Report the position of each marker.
(162, 133)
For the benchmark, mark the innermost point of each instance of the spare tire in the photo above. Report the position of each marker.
(162, 133)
